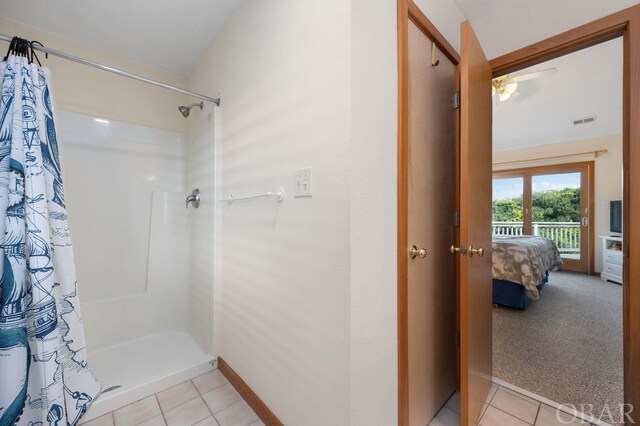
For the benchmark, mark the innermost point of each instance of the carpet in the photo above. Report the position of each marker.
(568, 345)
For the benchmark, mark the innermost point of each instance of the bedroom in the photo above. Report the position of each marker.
(557, 174)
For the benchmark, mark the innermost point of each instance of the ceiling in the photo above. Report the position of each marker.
(588, 83)
(172, 35)
(167, 34)
(506, 25)
(475, 9)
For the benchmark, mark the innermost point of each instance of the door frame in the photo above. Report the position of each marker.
(587, 264)
(408, 10)
(626, 24)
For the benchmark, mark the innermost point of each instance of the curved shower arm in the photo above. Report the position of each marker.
(193, 198)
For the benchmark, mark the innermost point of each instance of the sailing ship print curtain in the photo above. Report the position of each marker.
(44, 377)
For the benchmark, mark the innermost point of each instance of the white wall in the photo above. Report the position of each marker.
(607, 178)
(306, 290)
(282, 69)
(200, 174)
(374, 103)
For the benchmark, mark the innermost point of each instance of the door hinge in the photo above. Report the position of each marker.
(456, 219)
(456, 100)
(457, 337)
(626, 251)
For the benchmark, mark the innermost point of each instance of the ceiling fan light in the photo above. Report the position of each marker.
(511, 88)
(504, 96)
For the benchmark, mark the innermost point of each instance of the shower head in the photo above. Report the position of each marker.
(184, 110)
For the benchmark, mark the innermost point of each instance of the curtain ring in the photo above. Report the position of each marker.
(12, 48)
(33, 52)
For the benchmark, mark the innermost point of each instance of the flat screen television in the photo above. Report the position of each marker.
(615, 223)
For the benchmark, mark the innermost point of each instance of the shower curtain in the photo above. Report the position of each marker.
(44, 377)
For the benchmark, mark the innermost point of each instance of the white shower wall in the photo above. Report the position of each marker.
(125, 193)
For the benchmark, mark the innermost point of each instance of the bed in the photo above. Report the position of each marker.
(521, 266)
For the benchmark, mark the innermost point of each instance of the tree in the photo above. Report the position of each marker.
(561, 205)
(509, 210)
(556, 205)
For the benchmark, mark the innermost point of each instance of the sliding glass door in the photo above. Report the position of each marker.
(549, 201)
(508, 205)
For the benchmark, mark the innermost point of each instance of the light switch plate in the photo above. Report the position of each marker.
(302, 183)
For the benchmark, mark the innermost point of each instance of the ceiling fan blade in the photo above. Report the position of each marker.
(532, 75)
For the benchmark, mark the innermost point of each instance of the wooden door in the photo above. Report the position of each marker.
(475, 228)
(431, 204)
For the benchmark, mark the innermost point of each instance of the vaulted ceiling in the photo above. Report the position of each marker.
(167, 34)
(172, 35)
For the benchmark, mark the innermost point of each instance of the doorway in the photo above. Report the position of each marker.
(625, 23)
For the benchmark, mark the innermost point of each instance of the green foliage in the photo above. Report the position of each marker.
(548, 206)
(556, 206)
(509, 210)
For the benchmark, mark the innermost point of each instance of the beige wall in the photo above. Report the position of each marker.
(608, 173)
(82, 89)
(282, 284)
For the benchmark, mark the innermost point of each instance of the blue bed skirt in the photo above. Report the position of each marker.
(513, 295)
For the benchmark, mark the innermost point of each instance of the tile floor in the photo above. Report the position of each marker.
(207, 400)
(505, 408)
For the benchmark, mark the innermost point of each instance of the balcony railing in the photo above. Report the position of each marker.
(565, 234)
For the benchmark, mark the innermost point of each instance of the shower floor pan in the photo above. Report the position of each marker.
(135, 369)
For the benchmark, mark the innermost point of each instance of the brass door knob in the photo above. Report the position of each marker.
(479, 251)
(415, 251)
(462, 250)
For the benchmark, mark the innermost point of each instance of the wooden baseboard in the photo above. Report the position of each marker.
(254, 401)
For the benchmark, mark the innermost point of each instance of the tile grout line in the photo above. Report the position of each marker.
(208, 409)
(522, 398)
(200, 395)
(494, 395)
(155, 395)
(204, 402)
(488, 405)
(537, 414)
(453, 411)
(233, 403)
(548, 402)
(511, 415)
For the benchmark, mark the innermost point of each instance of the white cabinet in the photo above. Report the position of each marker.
(611, 259)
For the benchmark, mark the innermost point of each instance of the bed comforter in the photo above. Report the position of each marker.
(524, 259)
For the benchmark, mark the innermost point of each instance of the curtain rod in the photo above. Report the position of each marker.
(577, 154)
(115, 71)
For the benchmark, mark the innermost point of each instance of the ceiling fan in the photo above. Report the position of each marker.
(506, 86)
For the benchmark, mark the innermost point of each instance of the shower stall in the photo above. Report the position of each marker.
(144, 262)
